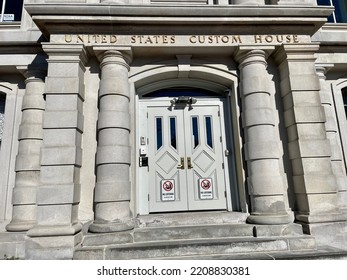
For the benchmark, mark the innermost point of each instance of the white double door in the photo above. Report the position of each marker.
(186, 162)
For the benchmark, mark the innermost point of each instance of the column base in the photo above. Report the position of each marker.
(103, 226)
(20, 225)
(270, 219)
(61, 230)
(321, 218)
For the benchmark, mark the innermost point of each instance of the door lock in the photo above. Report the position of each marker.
(181, 166)
(189, 162)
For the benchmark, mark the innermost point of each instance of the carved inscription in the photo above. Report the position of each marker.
(154, 39)
(276, 39)
(179, 40)
(215, 39)
(91, 39)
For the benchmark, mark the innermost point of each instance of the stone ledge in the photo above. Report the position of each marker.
(191, 11)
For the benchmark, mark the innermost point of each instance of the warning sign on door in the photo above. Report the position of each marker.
(205, 188)
(167, 190)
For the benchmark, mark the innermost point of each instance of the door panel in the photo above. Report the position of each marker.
(186, 155)
(207, 158)
(166, 148)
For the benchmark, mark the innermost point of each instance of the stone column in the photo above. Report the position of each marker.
(315, 185)
(28, 159)
(265, 181)
(248, 2)
(331, 127)
(112, 190)
(58, 229)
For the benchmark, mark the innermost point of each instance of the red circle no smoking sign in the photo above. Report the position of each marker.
(205, 184)
(167, 186)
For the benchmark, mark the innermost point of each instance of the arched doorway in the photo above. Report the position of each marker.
(184, 151)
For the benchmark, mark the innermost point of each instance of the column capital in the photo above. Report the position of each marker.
(243, 53)
(121, 56)
(323, 68)
(35, 70)
(32, 74)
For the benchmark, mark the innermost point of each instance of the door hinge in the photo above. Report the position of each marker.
(225, 193)
(147, 115)
(223, 165)
(148, 197)
(220, 139)
(218, 113)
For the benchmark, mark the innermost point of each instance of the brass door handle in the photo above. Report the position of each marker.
(181, 166)
(189, 162)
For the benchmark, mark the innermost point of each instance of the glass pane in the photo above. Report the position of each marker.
(173, 139)
(13, 10)
(176, 92)
(340, 10)
(209, 140)
(324, 2)
(344, 97)
(159, 129)
(2, 114)
(195, 129)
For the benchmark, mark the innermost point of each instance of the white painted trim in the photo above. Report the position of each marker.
(9, 148)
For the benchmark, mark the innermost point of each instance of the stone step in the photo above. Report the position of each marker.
(12, 245)
(169, 233)
(189, 232)
(191, 218)
(177, 249)
(192, 232)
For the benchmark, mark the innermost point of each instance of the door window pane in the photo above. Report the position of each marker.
(344, 97)
(195, 130)
(159, 132)
(2, 114)
(208, 123)
(173, 138)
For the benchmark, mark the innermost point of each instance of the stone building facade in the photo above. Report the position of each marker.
(173, 129)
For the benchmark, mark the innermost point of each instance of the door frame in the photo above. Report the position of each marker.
(142, 191)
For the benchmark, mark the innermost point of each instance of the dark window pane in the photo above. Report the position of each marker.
(344, 97)
(340, 10)
(173, 132)
(195, 129)
(176, 92)
(159, 128)
(209, 140)
(323, 2)
(13, 7)
(2, 114)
